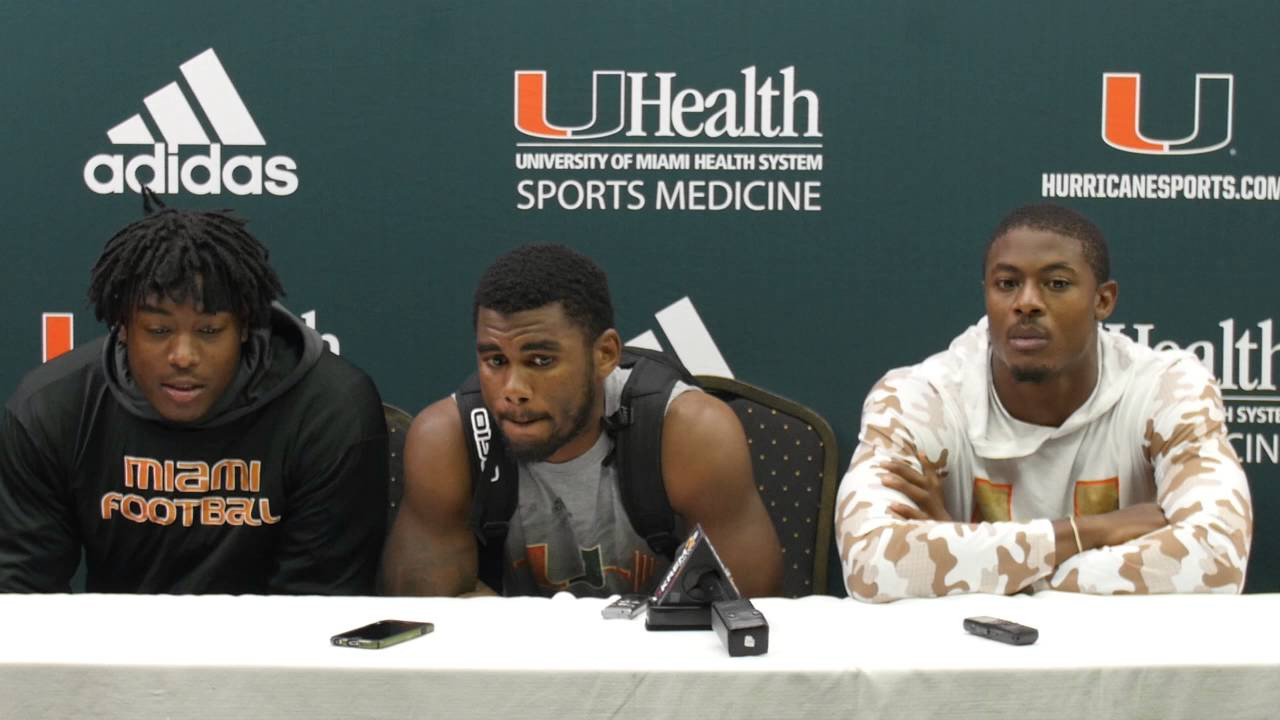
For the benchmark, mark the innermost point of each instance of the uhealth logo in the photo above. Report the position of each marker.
(1122, 122)
(164, 171)
(619, 101)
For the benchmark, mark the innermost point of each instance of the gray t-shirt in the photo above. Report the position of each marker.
(570, 531)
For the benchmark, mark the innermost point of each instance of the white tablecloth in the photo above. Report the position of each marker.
(138, 657)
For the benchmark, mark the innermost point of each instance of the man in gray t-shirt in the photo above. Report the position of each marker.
(547, 355)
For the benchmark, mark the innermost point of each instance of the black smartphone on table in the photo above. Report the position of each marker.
(383, 633)
(999, 630)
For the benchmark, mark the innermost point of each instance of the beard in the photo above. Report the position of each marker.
(1032, 374)
(575, 423)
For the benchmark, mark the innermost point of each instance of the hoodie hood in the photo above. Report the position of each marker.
(272, 360)
(962, 376)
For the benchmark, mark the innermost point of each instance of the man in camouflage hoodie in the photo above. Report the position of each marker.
(1041, 451)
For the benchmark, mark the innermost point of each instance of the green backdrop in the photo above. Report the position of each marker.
(917, 124)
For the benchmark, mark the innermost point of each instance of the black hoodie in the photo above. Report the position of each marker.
(281, 488)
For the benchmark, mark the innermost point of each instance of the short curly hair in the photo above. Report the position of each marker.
(532, 276)
(1063, 221)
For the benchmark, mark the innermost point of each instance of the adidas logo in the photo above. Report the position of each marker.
(689, 338)
(164, 171)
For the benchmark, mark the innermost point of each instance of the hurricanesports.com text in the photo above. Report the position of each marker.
(1152, 186)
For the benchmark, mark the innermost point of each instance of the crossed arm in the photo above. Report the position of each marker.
(897, 539)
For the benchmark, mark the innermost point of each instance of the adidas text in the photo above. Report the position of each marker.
(199, 174)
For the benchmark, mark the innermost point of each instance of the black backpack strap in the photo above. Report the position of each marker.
(494, 481)
(637, 435)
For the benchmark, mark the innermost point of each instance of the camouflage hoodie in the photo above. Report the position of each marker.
(1153, 430)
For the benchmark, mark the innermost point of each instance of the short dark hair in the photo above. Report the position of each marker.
(1063, 221)
(204, 257)
(532, 276)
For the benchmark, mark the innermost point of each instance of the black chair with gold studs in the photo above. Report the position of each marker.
(793, 457)
(398, 422)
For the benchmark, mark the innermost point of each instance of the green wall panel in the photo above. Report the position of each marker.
(934, 120)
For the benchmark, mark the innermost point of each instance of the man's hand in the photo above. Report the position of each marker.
(924, 488)
(482, 590)
(1114, 528)
(1120, 526)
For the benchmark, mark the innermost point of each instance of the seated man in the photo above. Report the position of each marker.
(1040, 451)
(209, 444)
(549, 376)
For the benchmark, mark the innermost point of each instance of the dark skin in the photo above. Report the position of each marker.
(533, 366)
(181, 357)
(1044, 304)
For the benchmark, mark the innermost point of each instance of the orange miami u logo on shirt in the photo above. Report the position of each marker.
(993, 501)
(594, 568)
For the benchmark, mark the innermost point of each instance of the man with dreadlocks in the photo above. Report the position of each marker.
(208, 444)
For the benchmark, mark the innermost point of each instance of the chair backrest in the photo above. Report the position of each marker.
(398, 422)
(793, 456)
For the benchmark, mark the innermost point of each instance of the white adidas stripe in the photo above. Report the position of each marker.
(177, 121)
(689, 338)
(174, 116)
(221, 103)
(131, 132)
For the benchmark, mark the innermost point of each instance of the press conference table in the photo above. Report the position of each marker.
(138, 657)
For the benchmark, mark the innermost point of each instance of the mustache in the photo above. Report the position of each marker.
(522, 417)
(1027, 329)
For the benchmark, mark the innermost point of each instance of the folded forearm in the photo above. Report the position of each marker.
(1202, 553)
(885, 559)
